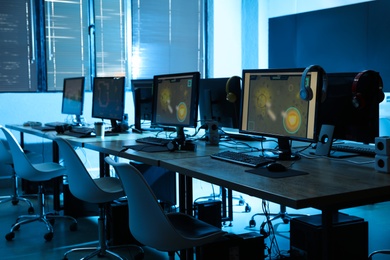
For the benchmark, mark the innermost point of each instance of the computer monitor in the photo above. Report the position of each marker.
(108, 100)
(213, 105)
(272, 107)
(175, 101)
(73, 98)
(351, 123)
(143, 102)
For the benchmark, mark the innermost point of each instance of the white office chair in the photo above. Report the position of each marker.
(39, 173)
(84, 187)
(6, 159)
(151, 226)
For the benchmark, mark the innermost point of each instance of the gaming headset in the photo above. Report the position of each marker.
(232, 83)
(359, 88)
(306, 92)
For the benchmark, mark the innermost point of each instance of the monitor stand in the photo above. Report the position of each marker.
(284, 152)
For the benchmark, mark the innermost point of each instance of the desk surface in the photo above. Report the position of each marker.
(330, 183)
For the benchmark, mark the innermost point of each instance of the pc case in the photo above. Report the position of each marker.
(247, 246)
(350, 237)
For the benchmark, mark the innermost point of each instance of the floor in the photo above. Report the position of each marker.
(30, 244)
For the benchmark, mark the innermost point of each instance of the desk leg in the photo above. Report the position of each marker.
(104, 168)
(328, 217)
(185, 206)
(57, 182)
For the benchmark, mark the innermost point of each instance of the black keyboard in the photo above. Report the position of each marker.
(82, 130)
(153, 140)
(242, 158)
(362, 149)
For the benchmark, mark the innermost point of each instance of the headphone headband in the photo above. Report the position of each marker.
(306, 92)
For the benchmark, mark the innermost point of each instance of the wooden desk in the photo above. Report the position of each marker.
(330, 185)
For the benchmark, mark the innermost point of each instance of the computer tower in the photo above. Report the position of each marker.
(350, 237)
(209, 211)
(247, 246)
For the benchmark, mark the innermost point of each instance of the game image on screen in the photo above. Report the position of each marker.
(175, 101)
(272, 106)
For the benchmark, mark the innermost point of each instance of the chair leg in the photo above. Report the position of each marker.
(41, 217)
(102, 248)
(15, 198)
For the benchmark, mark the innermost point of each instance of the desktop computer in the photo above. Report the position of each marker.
(350, 237)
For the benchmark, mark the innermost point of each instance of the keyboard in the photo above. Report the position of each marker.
(242, 158)
(54, 124)
(82, 130)
(361, 149)
(153, 140)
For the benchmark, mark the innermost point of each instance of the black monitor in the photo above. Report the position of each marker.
(213, 104)
(143, 102)
(108, 100)
(351, 123)
(272, 107)
(73, 98)
(175, 101)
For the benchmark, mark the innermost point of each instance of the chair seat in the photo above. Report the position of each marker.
(110, 185)
(192, 228)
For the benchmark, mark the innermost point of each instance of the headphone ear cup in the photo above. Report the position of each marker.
(233, 83)
(306, 94)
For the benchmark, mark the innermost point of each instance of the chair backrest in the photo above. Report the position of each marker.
(147, 220)
(81, 184)
(22, 164)
(5, 154)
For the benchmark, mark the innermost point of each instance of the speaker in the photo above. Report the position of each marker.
(233, 89)
(382, 145)
(325, 140)
(212, 134)
(363, 84)
(382, 163)
(306, 93)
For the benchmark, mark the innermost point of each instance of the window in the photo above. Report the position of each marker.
(17, 47)
(166, 37)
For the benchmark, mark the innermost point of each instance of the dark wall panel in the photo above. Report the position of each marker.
(344, 39)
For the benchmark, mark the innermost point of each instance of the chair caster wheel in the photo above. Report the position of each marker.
(48, 236)
(31, 210)
(252, 223)
(286, 220)
(73, 227)
(15, 202)
(248, 208)
(10, 236)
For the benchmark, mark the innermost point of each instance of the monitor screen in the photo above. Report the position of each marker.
(213, 104)
(73, 97)
(175, 101)
(272, 107)
(143, 102)
(108, 98)
(351, 123)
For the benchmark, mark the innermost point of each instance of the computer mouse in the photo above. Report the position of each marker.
(276, 167)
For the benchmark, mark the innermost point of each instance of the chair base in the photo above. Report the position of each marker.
(15, 200)
(102, 251)
(46, 218)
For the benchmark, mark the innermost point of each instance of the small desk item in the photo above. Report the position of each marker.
(147, 148)
(153, 141)
(242, 158)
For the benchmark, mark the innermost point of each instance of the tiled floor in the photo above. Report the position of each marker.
(30, 244)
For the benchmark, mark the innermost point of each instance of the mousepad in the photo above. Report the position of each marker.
(266, 173)
(147, 148)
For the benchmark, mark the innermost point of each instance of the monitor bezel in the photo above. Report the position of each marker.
(137, 85)
(312, 109)
(193, 116)
(81, 88)
(122, 99)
